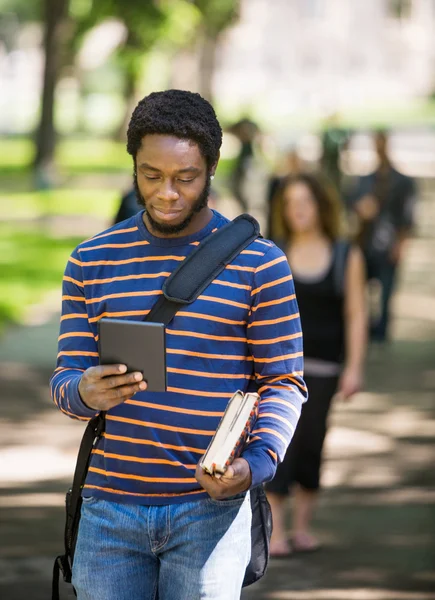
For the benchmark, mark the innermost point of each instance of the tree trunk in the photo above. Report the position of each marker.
(131, 76)
(207, 63)
(55, 12)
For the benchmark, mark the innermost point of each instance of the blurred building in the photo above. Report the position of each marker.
(328, 54)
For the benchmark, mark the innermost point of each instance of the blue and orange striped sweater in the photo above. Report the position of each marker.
(243, 332)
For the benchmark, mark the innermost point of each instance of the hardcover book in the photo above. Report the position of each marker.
(232, 432)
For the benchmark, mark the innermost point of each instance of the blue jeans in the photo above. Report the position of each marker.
(189, 551)
(384, 271)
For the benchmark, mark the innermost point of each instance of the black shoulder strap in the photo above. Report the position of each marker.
(204, 264)
(341, 253)
(185, 284)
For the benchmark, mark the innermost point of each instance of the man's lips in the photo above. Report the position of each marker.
(166, 215)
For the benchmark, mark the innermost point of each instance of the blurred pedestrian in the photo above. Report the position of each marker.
(128, 207)
(291, 165)
(246, 131)
(384, 205)
(328, 274)
(335, 138)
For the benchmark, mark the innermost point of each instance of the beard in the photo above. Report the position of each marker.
(167, 229)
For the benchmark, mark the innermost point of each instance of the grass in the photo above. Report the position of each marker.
(73, 156)
(31, 264)
(66, 202)
(32, 260)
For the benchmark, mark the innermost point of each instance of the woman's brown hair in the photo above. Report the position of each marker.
(326, 198)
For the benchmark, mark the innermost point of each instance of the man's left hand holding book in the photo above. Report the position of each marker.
(236, 479)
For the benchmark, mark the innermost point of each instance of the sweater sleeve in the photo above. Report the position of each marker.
(275, 341)
(77, 346)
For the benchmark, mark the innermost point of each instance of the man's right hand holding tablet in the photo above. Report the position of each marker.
(106, 386)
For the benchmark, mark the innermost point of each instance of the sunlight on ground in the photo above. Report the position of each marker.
(33, 463)
(359, 594)
(32, 500)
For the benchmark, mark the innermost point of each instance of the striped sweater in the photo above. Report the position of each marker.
(243, 333)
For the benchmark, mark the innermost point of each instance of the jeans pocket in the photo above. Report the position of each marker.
(89, 500)
(236, 500)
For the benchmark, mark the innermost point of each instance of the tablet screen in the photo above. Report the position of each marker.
(139, 345)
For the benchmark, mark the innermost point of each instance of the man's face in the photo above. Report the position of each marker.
(172, 182)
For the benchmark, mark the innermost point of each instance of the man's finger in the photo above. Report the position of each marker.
(115, 381)
(106, 370)
(125, 391)
(230, 473)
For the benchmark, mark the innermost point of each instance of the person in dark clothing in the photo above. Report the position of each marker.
(334, 140)
(246, 131)
(129, 206)
(329, 280)
(384, 204)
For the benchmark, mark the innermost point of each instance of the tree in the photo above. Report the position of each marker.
(55, 13)
(143, 21)
(217, 16)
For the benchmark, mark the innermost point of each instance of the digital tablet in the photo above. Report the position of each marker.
(139, 345)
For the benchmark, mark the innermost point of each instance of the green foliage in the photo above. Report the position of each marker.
(142, 19)
(180, 24)
(217, 15)
(24, 10)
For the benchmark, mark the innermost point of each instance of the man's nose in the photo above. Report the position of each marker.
(167, 191)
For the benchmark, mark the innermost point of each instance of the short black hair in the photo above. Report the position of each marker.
(180, 113)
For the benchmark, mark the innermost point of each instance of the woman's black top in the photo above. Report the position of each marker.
(321, 307)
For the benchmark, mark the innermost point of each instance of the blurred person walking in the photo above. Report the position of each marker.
(328, 274)
(384, 205)
(245, 131)
(128, 206)
(249, 179)
(335, 139)
(291, 165)
(152, 521)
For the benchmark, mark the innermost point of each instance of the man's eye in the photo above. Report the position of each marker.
(186, 180)
(151, 178)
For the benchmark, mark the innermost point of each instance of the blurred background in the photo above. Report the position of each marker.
(296, 84)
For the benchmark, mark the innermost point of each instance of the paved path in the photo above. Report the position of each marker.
(377, 514)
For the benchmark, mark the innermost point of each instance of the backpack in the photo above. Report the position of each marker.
(182, 287)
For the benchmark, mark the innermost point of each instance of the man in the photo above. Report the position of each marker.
(384, 206)
(246, 132)
(335, 139)
(152, 521)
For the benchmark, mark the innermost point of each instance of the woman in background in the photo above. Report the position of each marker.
(330, 287)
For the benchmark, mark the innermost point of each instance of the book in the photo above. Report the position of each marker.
(232, 432)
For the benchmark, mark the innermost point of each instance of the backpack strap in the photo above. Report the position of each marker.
(202, 266)
(341, 254)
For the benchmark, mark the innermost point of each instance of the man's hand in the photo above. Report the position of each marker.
(106, 386)
(236, 479)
